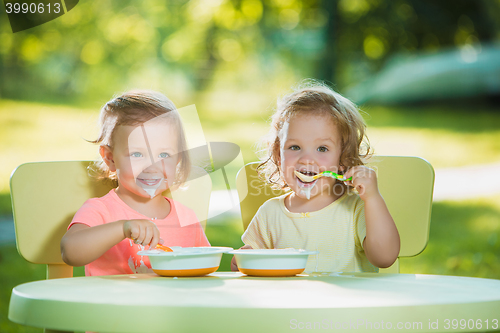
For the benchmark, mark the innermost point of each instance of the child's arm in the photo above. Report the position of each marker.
(382, 242)
(83, 244)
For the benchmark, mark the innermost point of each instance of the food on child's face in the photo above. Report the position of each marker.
(151, 192)
(150, 183)
(305, 187)
(307, 192)
(164, 248)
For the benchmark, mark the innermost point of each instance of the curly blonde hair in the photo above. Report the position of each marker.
(134, 108)
(315, 98)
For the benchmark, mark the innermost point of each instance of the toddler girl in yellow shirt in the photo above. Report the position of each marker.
(315, 129)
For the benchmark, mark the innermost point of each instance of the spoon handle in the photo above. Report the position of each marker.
(330, 174)
(333, 175)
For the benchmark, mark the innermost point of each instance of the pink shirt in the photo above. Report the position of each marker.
(123, 258)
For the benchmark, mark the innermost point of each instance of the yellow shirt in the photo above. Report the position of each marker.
(336, 231)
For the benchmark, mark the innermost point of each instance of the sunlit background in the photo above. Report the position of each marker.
(426, 74)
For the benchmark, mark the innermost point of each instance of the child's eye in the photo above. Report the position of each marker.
(322, 149)
(136, 154)
(164, 155)
(294, 147)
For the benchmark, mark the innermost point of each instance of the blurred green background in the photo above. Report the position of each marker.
(426, 74)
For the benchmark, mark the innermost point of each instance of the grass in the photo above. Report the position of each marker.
(464, 240)
(464, 236)
(37, 132)
(445, 136)
(14, 272)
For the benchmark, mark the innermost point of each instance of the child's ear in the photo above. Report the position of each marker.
(107, 156)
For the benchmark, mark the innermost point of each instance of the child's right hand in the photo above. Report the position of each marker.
(143, 232)
(234, 266)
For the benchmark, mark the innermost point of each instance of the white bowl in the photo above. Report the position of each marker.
(185, 261)
(271, 262)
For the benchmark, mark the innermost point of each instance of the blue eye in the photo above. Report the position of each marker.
(322, 149)
(164, 155)
(294, 147)
(136, 154)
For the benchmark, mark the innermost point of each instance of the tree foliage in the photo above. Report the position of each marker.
(101, 47)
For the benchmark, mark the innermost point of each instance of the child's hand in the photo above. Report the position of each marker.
(382, 243)
(364, 180)
(234, 267)
(143, 232)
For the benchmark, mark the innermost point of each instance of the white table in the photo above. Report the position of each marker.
(232, 302)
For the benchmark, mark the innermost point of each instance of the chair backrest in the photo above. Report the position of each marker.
(46, 196)
(406, 183)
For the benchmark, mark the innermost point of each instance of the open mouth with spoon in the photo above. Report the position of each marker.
(308, 177)
(306, 182)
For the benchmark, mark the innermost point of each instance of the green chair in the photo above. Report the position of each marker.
(406, 183)
(46, 196)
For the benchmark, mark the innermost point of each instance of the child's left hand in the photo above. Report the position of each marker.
(364, 180)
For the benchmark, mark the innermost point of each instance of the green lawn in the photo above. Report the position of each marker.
(14, 272)
(464, 236)
(464, 240)
(445, 136)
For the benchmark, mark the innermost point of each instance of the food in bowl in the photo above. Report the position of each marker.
(164, 248)
(271, 262)
(185, 261)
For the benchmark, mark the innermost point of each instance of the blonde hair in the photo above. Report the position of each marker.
(315, 98)
(134, 108)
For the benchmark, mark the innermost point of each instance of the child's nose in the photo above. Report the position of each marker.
(306, 158)
(154, 166)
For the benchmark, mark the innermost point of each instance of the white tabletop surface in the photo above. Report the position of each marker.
(232, 302)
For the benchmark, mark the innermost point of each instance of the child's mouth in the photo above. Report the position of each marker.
(149, 182)
(306, 183)
(306, 186)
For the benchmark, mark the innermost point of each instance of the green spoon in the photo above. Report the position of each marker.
(330, 174)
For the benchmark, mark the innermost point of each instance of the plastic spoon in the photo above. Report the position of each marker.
(330, 174)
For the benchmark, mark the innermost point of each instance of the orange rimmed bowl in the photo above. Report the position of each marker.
(271, 262)
(186, 261)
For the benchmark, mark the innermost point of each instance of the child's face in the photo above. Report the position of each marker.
(310, 143)
(145, 158)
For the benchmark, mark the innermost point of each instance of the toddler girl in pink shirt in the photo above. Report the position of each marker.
(143, 150)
